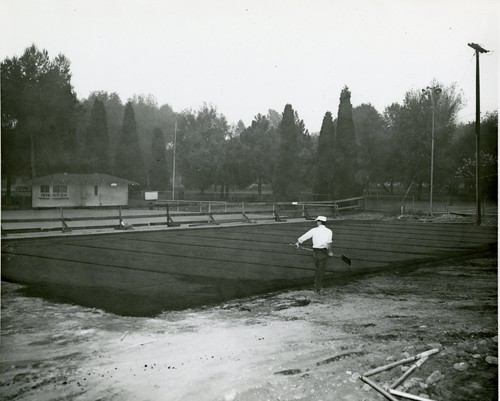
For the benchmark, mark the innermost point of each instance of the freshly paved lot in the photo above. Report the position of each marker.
(214, 264)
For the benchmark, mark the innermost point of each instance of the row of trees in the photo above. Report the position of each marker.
(46, 129)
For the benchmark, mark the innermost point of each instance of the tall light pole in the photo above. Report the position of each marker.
(173, 167)
(478, 50)
(432, 91)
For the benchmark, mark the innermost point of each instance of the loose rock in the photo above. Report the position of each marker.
(434, 377)
(461, 366)
(355, 376)
(491, 360)
(412, 382)
(405, 355)
(230, 396)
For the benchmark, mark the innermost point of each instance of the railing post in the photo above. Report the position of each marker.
(65, 227)
(122, 225)
(170, 222)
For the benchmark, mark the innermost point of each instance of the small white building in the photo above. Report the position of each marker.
(80, 190)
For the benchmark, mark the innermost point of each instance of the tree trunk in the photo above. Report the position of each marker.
(419, 190)
(8, 190)
(32, 155)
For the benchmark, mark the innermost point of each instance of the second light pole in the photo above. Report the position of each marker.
(432, 91)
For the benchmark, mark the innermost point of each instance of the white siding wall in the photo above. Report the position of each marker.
(73, 199)
(83, 195)
(107, 195)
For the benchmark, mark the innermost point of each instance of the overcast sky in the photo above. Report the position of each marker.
(245, 57)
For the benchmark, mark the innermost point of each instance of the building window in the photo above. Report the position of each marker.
(44, 191)
(60, 191)
(96, 190)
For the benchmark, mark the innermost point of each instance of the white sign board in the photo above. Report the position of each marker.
(153, 195)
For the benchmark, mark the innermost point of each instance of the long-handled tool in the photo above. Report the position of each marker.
(344, 258)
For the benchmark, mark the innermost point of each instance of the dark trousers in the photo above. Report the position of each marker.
(320, 257)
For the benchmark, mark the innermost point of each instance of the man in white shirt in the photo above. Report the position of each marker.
(322, 248)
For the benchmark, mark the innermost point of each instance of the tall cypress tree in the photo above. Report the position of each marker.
(286, 185)
(323, 181)
(345, 150)
(159, 171)
(96, 150)
(128, 163)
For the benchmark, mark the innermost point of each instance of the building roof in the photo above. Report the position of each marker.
(65, 178)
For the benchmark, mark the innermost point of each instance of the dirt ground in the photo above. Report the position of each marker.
(293, 345)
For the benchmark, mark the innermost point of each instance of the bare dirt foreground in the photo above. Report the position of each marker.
(293, 345)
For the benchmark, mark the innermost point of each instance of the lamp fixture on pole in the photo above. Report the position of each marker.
(432, 91)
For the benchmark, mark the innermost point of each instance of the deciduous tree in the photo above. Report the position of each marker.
(372, 143)
(201, 139)
(38, 114)
(260, 144)
(410, 126)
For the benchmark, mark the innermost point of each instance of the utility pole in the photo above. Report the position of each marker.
(478, 49)
(432, 91)
(173, 167)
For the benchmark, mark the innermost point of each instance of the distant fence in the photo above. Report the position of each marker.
(173, 213)
(137, 198)
(411, 205)
(393, 204)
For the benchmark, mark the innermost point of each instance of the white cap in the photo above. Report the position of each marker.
(321, 218)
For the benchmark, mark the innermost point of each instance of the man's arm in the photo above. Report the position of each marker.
(329, 247)
(303, 238)
(329, 244)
